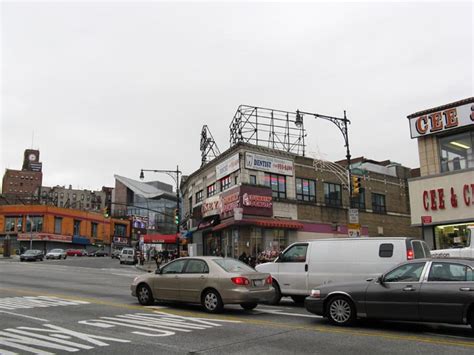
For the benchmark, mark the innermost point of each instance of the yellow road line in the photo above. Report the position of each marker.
(317, 328)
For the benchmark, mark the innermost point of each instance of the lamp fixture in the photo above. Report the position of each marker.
(460, 145)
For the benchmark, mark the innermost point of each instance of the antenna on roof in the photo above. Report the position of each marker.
(209, 149)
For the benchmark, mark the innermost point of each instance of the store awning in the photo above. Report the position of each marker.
(159, 238)
(261, 222)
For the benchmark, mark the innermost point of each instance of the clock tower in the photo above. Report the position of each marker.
(31, 161)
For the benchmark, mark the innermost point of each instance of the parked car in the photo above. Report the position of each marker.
(115, 254)
(210, 281)
(56, 254)
(75, 252)
(32, 255)
(128, 256)
(98, 252)
(426, 290)
(304, 265)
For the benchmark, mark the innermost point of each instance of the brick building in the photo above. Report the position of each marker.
(24, 183)
(51, 227)
(252, 198)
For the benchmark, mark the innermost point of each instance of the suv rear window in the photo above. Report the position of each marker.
(418, 249)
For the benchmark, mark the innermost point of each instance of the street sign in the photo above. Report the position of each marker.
(353, 233)
(353, 215)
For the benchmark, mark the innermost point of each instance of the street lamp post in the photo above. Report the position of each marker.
(175, 176)
(341, 123)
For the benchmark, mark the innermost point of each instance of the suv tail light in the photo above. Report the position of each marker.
(269, 280)
(241, 281)
(410, 254)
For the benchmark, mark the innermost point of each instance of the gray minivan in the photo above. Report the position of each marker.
(305, 265)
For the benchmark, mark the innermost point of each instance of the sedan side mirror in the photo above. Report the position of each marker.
(158, 271)
(380, 280)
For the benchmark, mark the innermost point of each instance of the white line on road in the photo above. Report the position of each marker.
(280, 313)
(24, 315)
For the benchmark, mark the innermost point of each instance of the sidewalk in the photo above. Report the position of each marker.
(12, 257)
(148, 266)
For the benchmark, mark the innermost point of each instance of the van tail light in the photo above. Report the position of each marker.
(410, 254)
(240, 281)
(315, 294)
(269, 280)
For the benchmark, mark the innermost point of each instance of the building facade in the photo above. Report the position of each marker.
(24, 183)
(258, 200)
(48, 227)
(442, 198)
(67, 197)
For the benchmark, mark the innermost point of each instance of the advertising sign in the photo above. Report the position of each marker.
(227, 166)
(45, 237)
(210, 206)
(248, 200)
(442, 121)
(268, 164)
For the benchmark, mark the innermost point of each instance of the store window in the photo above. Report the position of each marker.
(305, 189)
(277, 183)
(77, 227)
(120, 230)
(256, 241)
(199, 196)
(457, 151)
(378, 203)
(94, 230)
(253, 179)
(10, 224)
(452, 236)
(225, 182)
(34, 224)
(211, 190)
(332, 194)
(58, 222)
(358, 201)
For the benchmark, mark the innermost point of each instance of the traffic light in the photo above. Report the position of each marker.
(355, 185)
(176, 216)
(105, 211)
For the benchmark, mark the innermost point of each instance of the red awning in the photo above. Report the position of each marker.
(159, 238)
(266, 223)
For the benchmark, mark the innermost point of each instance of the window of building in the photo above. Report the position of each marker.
(190, 205)
(305, 189)
(358, 201)
(120, 230)
(199, 196)
(58, 222)
(211, 190)
(82, 197)
(225, 182)
(452, 236)
(456, 151)
(10, 224)
(77, 227)
(277, 183)
(378, 203)
(253, 179)
(332, 194)
(94, 230)
(236, 179)
(34, 224)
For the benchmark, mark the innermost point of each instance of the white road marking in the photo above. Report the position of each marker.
(27, 302)
(281, 313)
(25, 316)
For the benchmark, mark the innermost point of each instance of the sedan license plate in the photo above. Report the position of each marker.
(258, 283)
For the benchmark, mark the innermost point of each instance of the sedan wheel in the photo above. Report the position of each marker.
(144, 295)
(212, 302)
(340, 311)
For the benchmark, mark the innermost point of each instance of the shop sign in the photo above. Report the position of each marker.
(210, 206)
(44, 237)
(227, 166)
(269, 164)
(426, 219)
(229, 201)
(256, 201)
(444, 198)
(120, 240)
(442, 121)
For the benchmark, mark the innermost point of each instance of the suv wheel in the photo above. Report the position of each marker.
(340, 311)
(277, 296)
(212, 302)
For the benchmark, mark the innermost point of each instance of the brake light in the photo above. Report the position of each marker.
(410, 254)
(241, 281)
(315, 294)
(269, 280)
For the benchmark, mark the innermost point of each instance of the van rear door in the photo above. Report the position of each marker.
(293, 270)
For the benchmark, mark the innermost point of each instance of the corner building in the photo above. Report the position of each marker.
(253, 199)
(442, 198)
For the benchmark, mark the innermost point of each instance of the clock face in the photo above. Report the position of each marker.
(32, 157)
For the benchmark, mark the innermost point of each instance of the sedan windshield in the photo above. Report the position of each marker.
(56, 251)
(232, 265)
(31, 252)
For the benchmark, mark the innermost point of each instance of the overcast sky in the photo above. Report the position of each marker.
(110, 88)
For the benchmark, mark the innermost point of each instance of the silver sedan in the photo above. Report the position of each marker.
(210, 281)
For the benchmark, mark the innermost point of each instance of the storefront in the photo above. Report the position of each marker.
(442, 198)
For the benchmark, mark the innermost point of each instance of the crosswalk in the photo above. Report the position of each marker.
(28, 302)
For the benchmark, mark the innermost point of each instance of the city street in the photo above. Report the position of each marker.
(84, 304)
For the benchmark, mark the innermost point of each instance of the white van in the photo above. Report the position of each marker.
(127, 256)
(304, 265)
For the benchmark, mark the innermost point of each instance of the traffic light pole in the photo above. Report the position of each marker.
(176, 179)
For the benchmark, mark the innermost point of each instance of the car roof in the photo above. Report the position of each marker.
(469, 261)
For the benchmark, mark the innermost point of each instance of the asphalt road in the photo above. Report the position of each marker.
(84, 304)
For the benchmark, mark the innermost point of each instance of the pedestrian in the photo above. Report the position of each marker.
(243, 257)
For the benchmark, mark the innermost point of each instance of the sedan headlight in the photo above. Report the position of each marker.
(315, 294)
